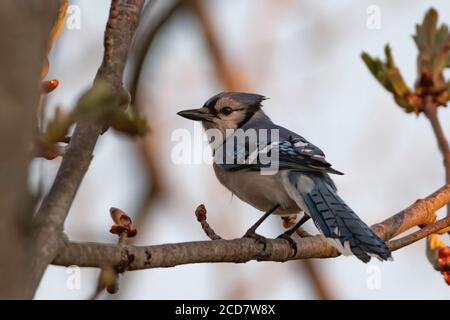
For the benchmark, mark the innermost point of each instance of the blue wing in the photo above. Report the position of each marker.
(294, 152)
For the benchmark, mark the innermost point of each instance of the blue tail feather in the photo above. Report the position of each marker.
(338, 222)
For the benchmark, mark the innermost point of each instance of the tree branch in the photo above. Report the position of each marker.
(422, 233)
(422, 212)
(122, 22)
(242, 250)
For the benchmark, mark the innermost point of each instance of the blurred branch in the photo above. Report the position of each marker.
(146, 145)
(321, 288)
(126, 258)
(49, 221)
(231, 78)
(142, 50)
(25, 28)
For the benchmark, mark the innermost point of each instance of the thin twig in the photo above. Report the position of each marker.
(422, 233)
(200, 213)
(430, 110)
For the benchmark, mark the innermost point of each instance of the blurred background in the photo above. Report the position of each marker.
(305, 56)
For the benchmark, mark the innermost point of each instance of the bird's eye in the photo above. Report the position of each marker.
(226, 110)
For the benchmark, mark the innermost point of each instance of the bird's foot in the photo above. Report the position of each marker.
(257, 237)
(286, 236)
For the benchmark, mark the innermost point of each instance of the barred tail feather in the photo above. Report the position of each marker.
(337, 221)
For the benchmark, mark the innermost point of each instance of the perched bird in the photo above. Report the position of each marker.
(301, 182)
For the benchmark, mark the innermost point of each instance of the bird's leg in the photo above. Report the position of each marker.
(253, 228)
(251, 232)
(287, 235)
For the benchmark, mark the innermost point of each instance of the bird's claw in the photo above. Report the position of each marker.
(291, 241)
(257, 237)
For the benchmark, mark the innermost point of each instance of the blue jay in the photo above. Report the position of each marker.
(301, 184)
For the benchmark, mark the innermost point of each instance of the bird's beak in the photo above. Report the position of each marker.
(201, 114)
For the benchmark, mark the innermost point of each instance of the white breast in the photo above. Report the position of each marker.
(261, 191)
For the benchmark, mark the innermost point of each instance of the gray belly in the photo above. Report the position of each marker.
(261, 191)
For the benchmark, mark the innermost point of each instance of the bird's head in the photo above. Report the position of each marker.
(226, 110)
